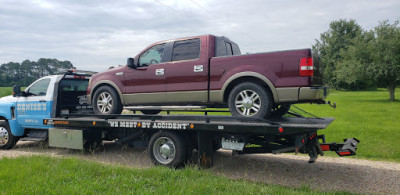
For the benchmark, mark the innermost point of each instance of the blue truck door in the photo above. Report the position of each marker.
(36, 104)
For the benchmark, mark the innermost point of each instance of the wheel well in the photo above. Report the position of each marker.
(101, 85)
(2, 118)
(242, 80)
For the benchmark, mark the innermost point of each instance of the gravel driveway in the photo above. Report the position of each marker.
(328, 174)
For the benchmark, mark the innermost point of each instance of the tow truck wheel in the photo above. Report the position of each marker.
(168, 149)
(7, 139)
(250, 100)
(106, 101)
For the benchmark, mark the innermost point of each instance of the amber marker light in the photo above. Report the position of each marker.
(94, 123)
(139, 124)
(45, 121)
(191, 126)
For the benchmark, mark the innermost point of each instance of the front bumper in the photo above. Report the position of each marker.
(313, 94)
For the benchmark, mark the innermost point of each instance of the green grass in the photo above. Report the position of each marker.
(4, 91)
(366, 115)
(46, 175)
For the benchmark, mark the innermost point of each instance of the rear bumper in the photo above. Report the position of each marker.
(313, 94)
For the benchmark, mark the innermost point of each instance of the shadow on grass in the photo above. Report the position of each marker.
(387, 101)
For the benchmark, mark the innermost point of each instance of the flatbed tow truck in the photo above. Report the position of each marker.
(170, 139)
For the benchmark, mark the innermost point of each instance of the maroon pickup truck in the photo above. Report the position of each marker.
(208, 71)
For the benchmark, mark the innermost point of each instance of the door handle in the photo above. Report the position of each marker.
(42, 100)
(198, 68)
(160, 72)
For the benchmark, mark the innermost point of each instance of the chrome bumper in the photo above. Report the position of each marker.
(313, 93)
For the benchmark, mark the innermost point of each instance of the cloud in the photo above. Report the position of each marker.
(99, 34)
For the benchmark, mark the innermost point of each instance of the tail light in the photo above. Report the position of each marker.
(306, 67)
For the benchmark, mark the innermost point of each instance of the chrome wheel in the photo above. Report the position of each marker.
(248, 103)
(164, 150)
(104, 102)
(4, 136)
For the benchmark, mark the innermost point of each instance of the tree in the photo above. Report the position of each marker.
(373, 59)
(385, 68)
(28, 71)
(352, 70)
(330, 47)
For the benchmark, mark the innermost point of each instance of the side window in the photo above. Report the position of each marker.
(39, 88)
(235, 49)
(186, 50)
(229, 48)
(153, 55)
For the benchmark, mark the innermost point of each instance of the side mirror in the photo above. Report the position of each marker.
(16, 92)
(131, 63)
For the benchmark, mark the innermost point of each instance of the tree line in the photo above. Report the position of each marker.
(25, 73)
(351, 58)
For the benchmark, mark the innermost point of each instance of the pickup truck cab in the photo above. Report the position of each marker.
(208, 71)
(22, 114)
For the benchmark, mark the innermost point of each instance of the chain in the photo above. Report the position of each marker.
(293, 112)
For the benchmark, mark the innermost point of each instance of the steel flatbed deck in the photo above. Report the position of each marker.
(197, 122)
(206, 133)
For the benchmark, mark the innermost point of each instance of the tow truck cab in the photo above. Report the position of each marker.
(48, 97)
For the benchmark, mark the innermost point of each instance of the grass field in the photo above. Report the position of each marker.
(46, 175)
(368, 116)
(5, 91)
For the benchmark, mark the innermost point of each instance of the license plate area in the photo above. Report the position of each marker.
(233, 143)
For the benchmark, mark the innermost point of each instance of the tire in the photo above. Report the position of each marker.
(168, 149)
(280, 110)
(250, 100)
(150, 112)
(106, 101)
(7, 139)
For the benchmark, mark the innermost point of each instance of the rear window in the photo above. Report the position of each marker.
(235, 49)
(229, 49)
(186, 50)
(220, 48)
(74, 85)
(225, 48)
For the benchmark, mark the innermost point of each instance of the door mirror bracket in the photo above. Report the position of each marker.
(16, 91)
(131, 63)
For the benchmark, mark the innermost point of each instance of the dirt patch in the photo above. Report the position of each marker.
(328, 174)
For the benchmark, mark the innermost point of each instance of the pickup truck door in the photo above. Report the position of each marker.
(36, 105)
(146, 83)
(187, 73)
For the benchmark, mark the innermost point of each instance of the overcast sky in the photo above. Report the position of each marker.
(97, 34)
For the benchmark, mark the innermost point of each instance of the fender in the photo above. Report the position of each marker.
(6, 114)
(5, 110)
(107, 82)
(249, 74)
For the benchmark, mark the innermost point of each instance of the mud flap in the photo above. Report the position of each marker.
(205, 149)
(309, 144)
